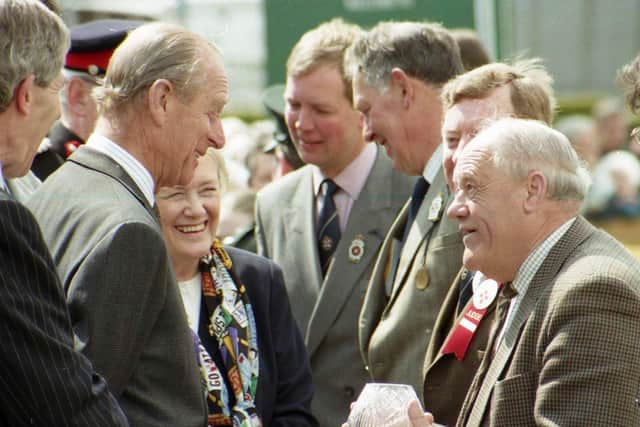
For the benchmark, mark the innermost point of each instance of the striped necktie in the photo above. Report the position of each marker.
(328, 225)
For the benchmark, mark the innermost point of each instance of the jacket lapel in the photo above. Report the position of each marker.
(299, 222)
(579, 231)
(100, 162)
(420, 230)
(365, 223)
(443, 321)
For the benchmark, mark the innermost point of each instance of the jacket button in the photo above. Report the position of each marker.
(349, 392)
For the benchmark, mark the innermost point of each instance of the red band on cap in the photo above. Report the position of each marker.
(82, 60)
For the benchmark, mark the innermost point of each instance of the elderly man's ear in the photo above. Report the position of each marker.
(159, 98)
(536, 191)
(23, 95)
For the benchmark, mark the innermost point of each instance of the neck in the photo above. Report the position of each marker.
(77, 126)
(185, 269)
(331, 173)
(132, 139)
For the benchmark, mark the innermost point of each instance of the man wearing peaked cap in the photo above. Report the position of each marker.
(285, 152)
(92, 45)
(288, 158)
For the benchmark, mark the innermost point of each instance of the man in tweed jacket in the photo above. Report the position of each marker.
(567, 350)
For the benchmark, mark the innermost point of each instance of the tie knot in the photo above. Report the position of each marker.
(420, 188)
(508, 291)
(330, 187)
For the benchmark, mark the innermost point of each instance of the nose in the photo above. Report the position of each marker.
(216, 134)
(457, 210)
(304, 121)
(194, 206)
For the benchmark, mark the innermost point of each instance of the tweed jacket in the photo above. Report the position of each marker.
(570, 355)
(394, 330)
(327, 311)
(44, 381)
(123, 297)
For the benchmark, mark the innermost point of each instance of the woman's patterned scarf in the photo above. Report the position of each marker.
(232, 323)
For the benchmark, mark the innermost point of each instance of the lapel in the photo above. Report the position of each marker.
(100, 162)
(441, 328)
(300, 234)
(367, 220)
(420, 229)
(579, 231)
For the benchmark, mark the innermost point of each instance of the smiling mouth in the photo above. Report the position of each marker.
(187, 229)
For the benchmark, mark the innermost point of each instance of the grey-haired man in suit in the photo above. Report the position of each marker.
(44, 380)
(159, 109)
(398, 71)
(327, 258)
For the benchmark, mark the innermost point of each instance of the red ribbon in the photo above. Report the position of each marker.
(459, 339)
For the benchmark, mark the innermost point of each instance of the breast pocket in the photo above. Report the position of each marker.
(513, 399)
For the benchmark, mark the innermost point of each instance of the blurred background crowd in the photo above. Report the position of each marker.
(257, 35)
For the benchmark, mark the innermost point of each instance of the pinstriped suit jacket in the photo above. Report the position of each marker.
(43, 381)
(122, 294)
(570, 355)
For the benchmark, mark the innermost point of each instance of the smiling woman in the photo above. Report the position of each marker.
(249, 348)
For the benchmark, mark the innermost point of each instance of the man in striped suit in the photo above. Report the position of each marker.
(43, 381)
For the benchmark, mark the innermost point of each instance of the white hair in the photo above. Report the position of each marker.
(519, 146)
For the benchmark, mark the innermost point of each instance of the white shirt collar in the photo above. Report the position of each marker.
(3, 182)
(432, 167)
(354, 176)
(130, 164)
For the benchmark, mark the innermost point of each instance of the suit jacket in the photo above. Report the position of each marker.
(125, 305)
(395, 329)
(285, 385)
(43, 380)
(570, 355)
(446, 379)
(23, 187)
(327, 311)
(52, 152)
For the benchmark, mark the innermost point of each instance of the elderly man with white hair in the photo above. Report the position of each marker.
(564, 345)
(159, 110)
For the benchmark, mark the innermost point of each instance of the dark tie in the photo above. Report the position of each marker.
(465, 291)
(502, 308)
(417, 197)
(328, 225)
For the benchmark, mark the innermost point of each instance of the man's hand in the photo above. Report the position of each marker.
(415, 414)
(417, 417)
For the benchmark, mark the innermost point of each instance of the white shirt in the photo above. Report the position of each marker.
(3, 183)
(191, 293)
(130, 164)
(433, 166)
(351, 181)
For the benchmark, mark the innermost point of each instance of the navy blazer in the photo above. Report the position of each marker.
(43, 381)
(285, 385)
